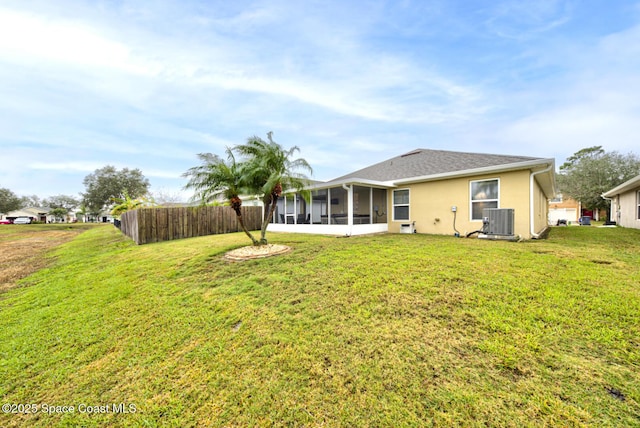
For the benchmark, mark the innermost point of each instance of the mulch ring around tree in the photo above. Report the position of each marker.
(256, 252)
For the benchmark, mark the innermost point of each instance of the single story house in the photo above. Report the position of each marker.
(41, 214)
(625, 203)
(33, 213)
(564, 208)
(426, 191)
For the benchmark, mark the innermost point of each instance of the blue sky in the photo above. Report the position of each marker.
(149, 84)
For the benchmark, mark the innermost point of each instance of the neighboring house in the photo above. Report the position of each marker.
(41, 214)
(103, 217)
(425, 191)
(625, 203)
(564, 209)
(34, 213)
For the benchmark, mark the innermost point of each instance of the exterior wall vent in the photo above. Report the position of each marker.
(408, 227)
(498, 221)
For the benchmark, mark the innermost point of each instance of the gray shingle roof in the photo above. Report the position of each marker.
(425, 162)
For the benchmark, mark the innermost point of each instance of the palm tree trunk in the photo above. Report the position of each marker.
(244, 228)
(236, 205)
(266, 219)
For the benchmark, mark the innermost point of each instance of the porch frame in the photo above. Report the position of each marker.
(331, 227)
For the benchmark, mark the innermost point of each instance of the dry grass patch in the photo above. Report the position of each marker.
(24, 249)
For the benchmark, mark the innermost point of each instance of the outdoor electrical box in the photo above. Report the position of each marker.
(498, 221)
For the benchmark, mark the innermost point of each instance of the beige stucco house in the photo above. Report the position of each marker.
(625, 203)
(426, 191)
(32, 213)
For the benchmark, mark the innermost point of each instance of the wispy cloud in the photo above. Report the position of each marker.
(522, 20)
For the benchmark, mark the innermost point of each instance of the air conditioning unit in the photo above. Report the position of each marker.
(498, 221)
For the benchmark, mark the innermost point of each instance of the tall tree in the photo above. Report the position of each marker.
(269, 169)
(166, 197)
(59, 213)
(60, 205)
(107, 183)
(215, 178)
(61, 201)
(590, 172)
(30, 201)
(9, 201)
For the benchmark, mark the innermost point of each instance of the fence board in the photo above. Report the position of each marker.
(163, 225)
(142, 225)
(170, 224)
(146, 225)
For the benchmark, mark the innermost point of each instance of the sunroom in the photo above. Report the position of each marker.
(348, 208)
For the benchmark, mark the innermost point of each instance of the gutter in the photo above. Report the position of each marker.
(534, 235)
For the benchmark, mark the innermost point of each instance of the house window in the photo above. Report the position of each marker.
(484, 194)
(401, 204)
(638, 201)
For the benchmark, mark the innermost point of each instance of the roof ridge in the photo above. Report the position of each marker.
(418, 150)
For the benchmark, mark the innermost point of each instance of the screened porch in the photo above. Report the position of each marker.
(339, 210)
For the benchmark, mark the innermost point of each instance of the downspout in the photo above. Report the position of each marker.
(349, 190)
(534, 235)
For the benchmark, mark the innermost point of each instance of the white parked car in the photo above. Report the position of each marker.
(22, 220)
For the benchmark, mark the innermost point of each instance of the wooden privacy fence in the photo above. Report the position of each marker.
(146, 225)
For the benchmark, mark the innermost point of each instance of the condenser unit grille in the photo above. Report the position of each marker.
(498, 221)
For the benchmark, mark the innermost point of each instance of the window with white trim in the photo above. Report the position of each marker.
(557, 199)
(401, 204)
(484, 194)
(638, 202)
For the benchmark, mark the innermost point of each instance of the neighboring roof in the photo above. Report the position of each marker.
(37, 210)
(624, 187)
(20, 213)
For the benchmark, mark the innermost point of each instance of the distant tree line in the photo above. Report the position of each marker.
(9, 201)
(104, 188)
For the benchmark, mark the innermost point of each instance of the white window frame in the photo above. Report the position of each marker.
(637, 205)
(558, 199)
(471, 200)
(394, 205)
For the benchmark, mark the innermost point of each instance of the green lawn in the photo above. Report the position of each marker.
(384, 330)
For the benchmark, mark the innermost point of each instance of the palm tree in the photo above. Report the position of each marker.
(127, 203)
(214, 177)
(269, 169)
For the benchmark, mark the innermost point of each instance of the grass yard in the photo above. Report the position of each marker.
(385, 330)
